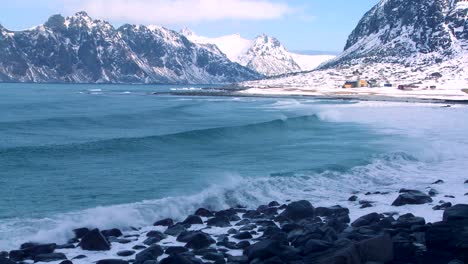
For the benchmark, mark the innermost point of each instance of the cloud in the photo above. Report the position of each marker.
(181, 11)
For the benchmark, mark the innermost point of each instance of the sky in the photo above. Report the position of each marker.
(322, 25)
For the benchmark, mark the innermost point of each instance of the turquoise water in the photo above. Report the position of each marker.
(116, 155)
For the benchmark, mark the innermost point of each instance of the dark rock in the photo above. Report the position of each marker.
(234, 218)
(80, 257)
(200, 241)
(175, 230)
(125, 253)
(232, 231)
(442, 206)
(219, 221)
(151, 253)
(251, 214)
(299, 210)
(273, 204)
(122, 240)
(138, 247)
(243, 244)
(204, 212)
(456, 212)
(112, 232)
(353, 198)
(228, 212)
(49, 257)
(238, 259)
(315, 245)
(80, 232)
(366, 220)
(66, 262)
(94, 241)
(164, 222)
(243, 222)
(242, 235)
(156, 234)
(466, 182)
(408, 220)
(213, 256)
(176, 259)
(175, 250)
(365, 204)
(433, 192)
(4, 260)
(438, 182)
(411, 197)
(449, 196)
(248, 227)
(112, 261)
(193, 220)
(331, 211)
(263, 250)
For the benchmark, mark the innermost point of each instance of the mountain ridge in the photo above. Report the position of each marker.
(79, 49)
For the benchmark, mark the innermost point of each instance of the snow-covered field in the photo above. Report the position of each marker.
(448, 78)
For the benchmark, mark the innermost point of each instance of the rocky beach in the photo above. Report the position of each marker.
(274, 233)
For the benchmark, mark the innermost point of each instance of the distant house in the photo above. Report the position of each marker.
(388, 85)
(356, 84)
(407, 87)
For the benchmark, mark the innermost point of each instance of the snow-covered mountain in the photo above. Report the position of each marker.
(263, 54)
(410, 32)
(78, 49)
(423, 42)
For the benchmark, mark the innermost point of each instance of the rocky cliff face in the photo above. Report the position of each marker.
(411, 32)
(78, 49)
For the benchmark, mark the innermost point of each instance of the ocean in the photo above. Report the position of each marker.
(124, 156)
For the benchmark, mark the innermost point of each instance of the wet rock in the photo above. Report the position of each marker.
(94, 241)
(263, 250)
(456, 212)
(433, 192)
(199, 241)
(251, 214)
(151, 253)
(238, 259)
(442, 206)
(176, 259)
(4, 260)
(234, 218)
(243, 244)
(125, 253)
(66, 246)
(219, 221)
(248, 227)
(175, 250)
(242, 235)
(438, 182)
(80, 257)
(232, 231)
(175, 230)
(466, 182)
(80, 232)
(164, 222)
(138, 247)
(31, 250)
(214, 256)
(408, 220)
(366, 220)
(49, 257)
(112, 232)
(66, 262)
(449, 196)
(299, 210)
(365, 204)
(411, 197)
(156, 234)
(204, 212)
(243, 222)
(315, 245)
(112, 261)
(193, 220)
(273, 204)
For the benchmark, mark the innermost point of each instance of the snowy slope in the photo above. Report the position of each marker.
(263, 54)
(79, 49)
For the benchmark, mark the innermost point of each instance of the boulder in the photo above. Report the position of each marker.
(6, 261)
(438, 182)
(366, 220)
(442, 206)
(263, 250)
(94, 241)
(125, 253)
(175, 230)
(199, 241)
(49, 257)
(299, 210)
(204, 212)
(408, 220)
(273, 204)
(456, 212)
(315, 245)
(164, 222)
(114, 232)
(66, 262)
(411, 197)
(112, 261)
(193, 220)
(173, 250)
(150, 253)
(219, 221)
(242, 235)
(80, 232)
(353, 198)
(176, 259)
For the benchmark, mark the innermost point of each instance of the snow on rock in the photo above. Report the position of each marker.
(79, 49)
(398, 42)
(263, 54)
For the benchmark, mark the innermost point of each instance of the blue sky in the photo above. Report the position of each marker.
(299, 24)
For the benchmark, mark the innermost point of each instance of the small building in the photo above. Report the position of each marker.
(388, 85)
(407, 87)
(356, 84)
